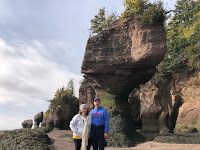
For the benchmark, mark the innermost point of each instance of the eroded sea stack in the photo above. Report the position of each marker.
(116, 61)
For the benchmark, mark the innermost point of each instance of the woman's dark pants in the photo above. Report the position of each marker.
(78, 144)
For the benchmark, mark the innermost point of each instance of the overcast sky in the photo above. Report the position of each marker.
(42, 44)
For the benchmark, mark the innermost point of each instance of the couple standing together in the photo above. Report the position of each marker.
(90, 128)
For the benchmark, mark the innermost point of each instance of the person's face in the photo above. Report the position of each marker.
(97, 103)
(84, 110)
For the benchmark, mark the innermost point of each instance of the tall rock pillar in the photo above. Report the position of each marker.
(117, 60)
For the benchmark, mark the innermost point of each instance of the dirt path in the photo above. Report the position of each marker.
(64, 144)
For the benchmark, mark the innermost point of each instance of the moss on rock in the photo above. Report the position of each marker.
(178, 139)
(25, 139)
(186, 128)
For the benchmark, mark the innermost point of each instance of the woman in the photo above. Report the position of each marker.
(80, 125)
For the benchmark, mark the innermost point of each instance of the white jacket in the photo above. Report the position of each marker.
(77, 125)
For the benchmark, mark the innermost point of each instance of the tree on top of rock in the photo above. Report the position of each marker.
(133, 7)
(148, 12)
(63, 96)
(101, 22)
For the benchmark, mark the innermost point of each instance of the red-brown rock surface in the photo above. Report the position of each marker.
(172, 105)
(86, 95)
(124, 56)
(189, 112)
(61, 118)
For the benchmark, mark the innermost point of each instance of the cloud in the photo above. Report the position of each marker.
(28, 77)
(8, 122)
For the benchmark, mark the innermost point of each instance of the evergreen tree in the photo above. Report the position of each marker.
(100, 22)
(70, 86)
(182, 37)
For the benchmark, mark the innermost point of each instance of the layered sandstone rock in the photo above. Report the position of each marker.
(156, 106)
(61, 118)
(189, 112)
(117, 60)
(86, 95)
(124, 56)
(171, 105)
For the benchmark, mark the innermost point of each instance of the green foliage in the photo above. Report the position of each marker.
(63, 96)
(178, 139)
(101, 22)
(70, 86)
(46, 113)
(183, 34)
(108, 100)
(84, 81)
(148, 12)
(134, 7)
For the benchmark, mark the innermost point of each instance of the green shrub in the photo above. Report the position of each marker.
(101, 22)
(148, 12)
(63, 96)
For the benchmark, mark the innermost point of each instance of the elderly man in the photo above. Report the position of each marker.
(100, 125)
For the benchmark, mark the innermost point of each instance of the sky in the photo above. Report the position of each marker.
(42, 43)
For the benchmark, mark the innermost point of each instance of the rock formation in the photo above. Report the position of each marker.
(117, 60)
(171, 105)
(123, 56)
(61, 118)
(187, 85)
(86, 95)
(156, 108)
(25, 139)
(27, 123)
(37, 119)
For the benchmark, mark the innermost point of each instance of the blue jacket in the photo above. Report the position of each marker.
(100, 117)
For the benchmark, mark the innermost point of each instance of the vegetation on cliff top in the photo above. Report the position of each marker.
(101, 22)
(149, 12)
(62, 96)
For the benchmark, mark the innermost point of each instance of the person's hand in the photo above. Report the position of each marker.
(105, 135)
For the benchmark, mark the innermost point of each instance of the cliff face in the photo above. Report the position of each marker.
(86, 95)
(124, 56)
(116, 61)
(188, 85)
(171, 105)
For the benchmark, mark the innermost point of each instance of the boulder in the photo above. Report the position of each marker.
(27, 123)
(37, 119)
